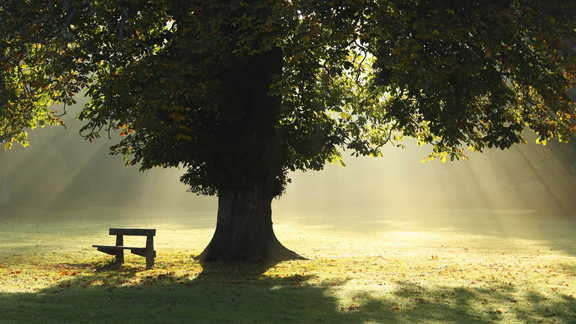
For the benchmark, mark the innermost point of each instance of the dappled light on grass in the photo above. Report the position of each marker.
(447, 269)
(368, 289)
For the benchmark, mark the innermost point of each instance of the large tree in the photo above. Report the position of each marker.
(239, 93)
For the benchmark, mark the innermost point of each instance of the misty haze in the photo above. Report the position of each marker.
(62, 171)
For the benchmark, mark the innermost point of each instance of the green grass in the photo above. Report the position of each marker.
(365, 267)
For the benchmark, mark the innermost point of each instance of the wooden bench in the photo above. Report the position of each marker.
(118, 249)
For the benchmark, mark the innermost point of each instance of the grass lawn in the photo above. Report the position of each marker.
(373, 266)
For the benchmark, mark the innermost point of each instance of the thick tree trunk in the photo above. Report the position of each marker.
(244, 230)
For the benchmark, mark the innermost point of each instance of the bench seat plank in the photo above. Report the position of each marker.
(144, 252)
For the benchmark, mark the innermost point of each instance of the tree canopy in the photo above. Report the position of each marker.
(239, 93)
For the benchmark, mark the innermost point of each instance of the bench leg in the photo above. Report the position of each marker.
(120, 257)
(151, 253)
(120, 254)
(149, 262)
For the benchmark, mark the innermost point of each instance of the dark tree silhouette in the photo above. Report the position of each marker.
(239, 93)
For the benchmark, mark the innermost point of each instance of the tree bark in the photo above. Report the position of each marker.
(244, 230)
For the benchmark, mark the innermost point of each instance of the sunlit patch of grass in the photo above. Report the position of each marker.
(411, 272)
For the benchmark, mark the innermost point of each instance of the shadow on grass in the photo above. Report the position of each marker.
(237, 293)
(483, 305)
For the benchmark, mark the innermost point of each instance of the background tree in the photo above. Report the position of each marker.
(241, 92)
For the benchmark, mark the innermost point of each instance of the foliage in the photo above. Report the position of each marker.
(465, 74)
(239, 92)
